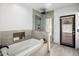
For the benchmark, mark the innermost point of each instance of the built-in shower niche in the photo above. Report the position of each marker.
(37, 23)
(18, 36)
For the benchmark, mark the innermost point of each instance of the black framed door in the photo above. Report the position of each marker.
(67, 30)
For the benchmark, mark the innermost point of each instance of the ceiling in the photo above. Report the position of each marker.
(48, 6)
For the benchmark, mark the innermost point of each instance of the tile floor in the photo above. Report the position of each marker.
(60, 50)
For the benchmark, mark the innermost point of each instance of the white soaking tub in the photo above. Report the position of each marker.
(25, 48)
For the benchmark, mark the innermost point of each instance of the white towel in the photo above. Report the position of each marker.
(4, 51)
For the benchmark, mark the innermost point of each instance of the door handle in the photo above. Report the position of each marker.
(73, 33)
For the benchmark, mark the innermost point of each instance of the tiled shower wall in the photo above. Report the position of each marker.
(6, 37)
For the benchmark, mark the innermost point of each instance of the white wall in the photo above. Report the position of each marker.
(61, 12)
(77, 33)
(15, 17)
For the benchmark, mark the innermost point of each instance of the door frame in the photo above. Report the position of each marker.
(73, 36)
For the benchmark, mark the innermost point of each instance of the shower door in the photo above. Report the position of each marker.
(67, 30)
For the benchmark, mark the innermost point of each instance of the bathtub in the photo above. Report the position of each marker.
(24, 48)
